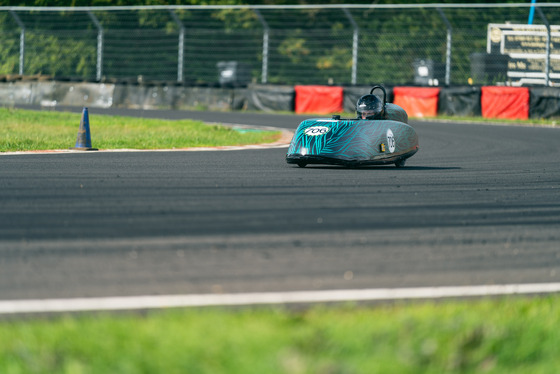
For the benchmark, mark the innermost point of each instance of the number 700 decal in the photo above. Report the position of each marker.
(316, 130)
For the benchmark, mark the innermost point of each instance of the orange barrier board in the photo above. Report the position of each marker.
(505, 102)
(417, 101)
(319, 99)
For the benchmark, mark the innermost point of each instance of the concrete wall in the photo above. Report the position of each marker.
(103, 95)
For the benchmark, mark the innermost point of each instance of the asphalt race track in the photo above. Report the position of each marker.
(477, 205)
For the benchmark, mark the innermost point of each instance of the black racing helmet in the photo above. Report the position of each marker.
(370, 106)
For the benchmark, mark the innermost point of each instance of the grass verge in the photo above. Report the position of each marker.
(548, 122)
(25, 130)
(529, 122)
(501, 335)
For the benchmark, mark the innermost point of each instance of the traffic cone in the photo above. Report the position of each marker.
(83, 142)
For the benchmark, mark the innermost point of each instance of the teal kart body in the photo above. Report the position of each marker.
(354, 142)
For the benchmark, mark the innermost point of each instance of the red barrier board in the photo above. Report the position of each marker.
(505, 102)
(417, 101)
(319, 99)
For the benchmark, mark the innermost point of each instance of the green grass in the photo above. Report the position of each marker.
(504, 335)
(532, 121)
(23, 130)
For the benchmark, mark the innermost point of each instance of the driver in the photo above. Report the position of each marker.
(370, 107)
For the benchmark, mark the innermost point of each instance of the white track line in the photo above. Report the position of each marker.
(200, 300)
(194, 149)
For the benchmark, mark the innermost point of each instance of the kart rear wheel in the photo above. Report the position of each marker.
(302, 164)
(400, 163)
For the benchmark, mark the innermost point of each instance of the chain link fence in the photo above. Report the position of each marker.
(512, 44)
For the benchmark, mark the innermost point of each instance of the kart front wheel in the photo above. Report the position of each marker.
(302, 164)
(400, 163)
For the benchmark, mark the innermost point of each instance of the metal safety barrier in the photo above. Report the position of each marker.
(421, 44)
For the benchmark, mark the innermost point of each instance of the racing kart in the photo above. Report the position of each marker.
(355, 142)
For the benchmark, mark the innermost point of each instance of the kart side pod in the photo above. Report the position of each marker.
(353, 142)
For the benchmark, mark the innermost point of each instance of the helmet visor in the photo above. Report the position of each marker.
(367, 114)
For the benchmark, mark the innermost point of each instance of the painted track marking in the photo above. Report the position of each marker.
(202, 300)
